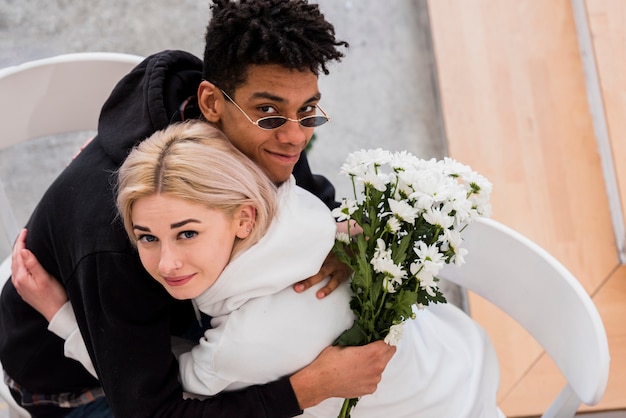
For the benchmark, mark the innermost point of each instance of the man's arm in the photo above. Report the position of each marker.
(332, 270)
(342, 372)
(337, 372)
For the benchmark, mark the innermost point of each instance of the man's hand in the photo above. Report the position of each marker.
(333, 269)
(82, 147)
(33, 283)
(342, 372)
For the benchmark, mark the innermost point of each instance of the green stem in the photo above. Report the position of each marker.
(380, 305)
(345, 409)
(347, 406)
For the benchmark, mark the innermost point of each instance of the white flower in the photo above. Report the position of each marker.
(453, 167)
(358, 163)
(390, 284)
(395, 335)
(393, 225)
(460, 206)
(427, 282)
(381, 249)
(345, 210)
(403, 160)
(388, 268)
(378, 156)
(342, 237)
(459, 256)
(403, 211)
(413, 211)
(383, 263)
(437, 217)
(454, 241)
(430, 260)
(431, 187)
(377, 181)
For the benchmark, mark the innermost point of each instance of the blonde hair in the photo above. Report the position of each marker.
(194, 161)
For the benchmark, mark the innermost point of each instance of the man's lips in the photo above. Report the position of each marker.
(284, 156)
(178, 280)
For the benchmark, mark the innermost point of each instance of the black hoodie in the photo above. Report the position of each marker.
(125, 317)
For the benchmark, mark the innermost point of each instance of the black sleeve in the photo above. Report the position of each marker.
(314, 183)
(127, 321)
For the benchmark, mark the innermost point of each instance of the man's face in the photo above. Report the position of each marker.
(271, 90)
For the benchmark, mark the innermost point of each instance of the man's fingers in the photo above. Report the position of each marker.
(334, 270)
(332, 284)
(20, 244)
(307, 283)
(31, 262)
(18, 268)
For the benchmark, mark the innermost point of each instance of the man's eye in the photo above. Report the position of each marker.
(268, 110)
(188, 234)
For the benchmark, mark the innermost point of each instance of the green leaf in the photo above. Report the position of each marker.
(351, 337)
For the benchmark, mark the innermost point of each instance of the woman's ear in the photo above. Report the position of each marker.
(245, 221)
(208, 95)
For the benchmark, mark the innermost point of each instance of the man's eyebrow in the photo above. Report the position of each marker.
(274, 98)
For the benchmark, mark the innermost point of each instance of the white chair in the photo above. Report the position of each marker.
(509, 270)
(47, 97)
(52, 96)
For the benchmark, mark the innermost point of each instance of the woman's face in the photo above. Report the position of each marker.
(183, 245)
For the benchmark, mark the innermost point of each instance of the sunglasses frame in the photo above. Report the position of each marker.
(324, 116)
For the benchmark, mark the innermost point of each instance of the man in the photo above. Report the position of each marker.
(262, 59)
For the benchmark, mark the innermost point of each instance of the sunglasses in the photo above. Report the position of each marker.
(273, 122)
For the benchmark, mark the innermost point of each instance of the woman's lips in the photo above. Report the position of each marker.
(179, 280)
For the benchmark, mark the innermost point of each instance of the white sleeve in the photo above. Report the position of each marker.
(267, 338)
(64, 324)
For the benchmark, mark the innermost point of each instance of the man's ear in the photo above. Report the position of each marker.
(208, 100)
(245, 218)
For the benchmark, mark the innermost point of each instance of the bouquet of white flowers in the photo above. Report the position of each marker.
(411, 213)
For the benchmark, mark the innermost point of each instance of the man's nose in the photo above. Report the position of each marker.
(293, 133)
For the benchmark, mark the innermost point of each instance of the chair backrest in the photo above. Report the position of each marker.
(48, 97)
(59, 94)
(538, 292)
(52, 96)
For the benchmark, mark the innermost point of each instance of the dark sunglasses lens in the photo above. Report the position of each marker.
(272, 122)
(313, 121)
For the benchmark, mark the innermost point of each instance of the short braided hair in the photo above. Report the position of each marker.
(290, 33)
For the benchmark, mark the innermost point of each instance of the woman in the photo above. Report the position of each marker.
(227, 238)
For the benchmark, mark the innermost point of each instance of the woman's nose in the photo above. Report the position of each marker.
(169, 261)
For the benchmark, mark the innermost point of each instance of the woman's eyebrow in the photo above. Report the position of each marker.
(183, 223)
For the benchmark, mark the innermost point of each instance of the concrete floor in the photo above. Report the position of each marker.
(382, 95)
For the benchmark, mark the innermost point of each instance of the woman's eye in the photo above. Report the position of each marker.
(188, 234)
(146, 238)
